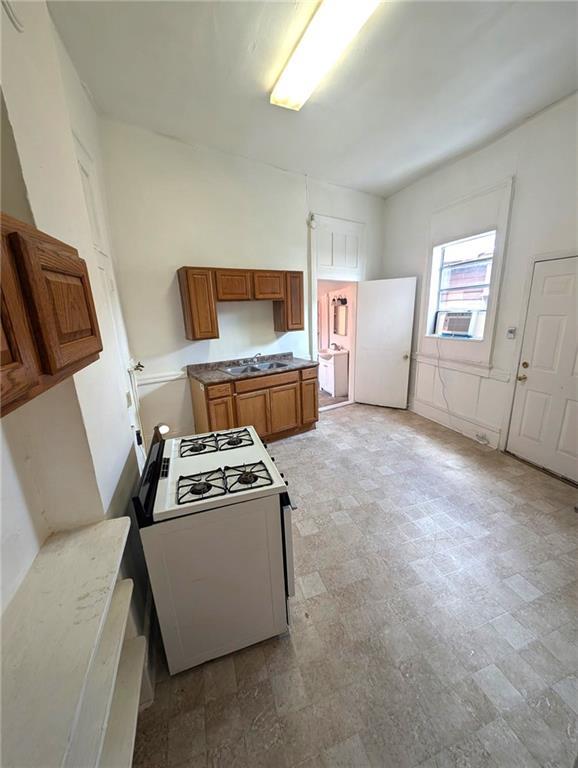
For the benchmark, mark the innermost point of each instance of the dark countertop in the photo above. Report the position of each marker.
(213, 373)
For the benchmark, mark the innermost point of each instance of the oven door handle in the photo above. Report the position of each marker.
(286, 515)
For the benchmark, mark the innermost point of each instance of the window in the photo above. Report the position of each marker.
(460, 287)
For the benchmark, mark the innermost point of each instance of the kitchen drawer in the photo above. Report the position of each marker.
(219, 390)
(264, 382)
(309, 373)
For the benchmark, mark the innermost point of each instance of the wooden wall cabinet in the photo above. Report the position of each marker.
(269, 285)
(202, 287)
(289, 314)
(276, 405)
(198, 299)
(234, 284)
(49, 324)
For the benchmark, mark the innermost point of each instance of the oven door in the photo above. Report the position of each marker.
(287, 531)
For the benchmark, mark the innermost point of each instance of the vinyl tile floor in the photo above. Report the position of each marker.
(434, 624)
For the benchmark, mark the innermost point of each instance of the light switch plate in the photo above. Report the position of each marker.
(511, 333)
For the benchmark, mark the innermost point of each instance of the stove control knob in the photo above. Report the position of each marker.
(282, 474)
(272, 458)
(287, 483)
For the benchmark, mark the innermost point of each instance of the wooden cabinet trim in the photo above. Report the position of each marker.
(265, 382)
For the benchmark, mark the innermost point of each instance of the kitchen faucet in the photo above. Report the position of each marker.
(255, 357)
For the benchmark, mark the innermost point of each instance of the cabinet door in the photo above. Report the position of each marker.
(294, 301)
(269, 285)
(221, 415)
(57, 289)
(253, 410)
(289, 314)
(198, 300)
(285, 407)
(309, 401)
(233, 284)
(18, 364)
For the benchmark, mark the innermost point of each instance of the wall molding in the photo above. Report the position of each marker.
(464, 425)
(471, 368)
(160, 378)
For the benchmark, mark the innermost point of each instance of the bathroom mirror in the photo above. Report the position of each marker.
(340, 319)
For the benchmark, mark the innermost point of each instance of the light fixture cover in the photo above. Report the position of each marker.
(332, 28)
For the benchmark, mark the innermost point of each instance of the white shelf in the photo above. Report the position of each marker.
(89, 733)
(119, 740)
(51, 631)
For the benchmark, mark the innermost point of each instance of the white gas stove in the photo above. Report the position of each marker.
(202, 472)
(215, 522)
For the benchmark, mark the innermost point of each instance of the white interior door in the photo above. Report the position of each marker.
(544, 427)
(383, 341)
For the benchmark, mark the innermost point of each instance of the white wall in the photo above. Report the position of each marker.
(541, 156)
(172, 205)
(66, 453)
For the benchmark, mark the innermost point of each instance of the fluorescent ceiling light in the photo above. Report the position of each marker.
(332, 28)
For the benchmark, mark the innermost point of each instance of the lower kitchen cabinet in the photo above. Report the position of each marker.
(276, 405)
(253, 410)
(221, 414)
(310, 401)
(285, 407)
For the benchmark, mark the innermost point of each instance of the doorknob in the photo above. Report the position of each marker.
(522, 377)
(406, 357)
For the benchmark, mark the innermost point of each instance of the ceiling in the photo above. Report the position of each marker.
(423, 82)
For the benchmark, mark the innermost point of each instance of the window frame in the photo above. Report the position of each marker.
(437, 268)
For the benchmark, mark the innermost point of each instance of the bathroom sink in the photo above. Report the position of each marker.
(235, 370)
(271, 366)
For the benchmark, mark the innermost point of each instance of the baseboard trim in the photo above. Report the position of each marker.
(466, 426)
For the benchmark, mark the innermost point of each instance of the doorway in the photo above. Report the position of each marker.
(336, 327)
(544, 423)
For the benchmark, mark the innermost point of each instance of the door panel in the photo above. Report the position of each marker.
(285, 407)
(544, 427)
(61, 305)
(253, 410)
(233, 284)
(269, 285)
(309, 401)
(383, 342)
(198, 299)
(221, 413)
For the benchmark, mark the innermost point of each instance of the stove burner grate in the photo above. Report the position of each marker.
(193, 446)
(204, 485)
(240, 438)
(246, 476)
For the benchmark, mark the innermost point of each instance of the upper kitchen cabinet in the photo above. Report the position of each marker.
(18, 364)
(269, 285)
(289, 314)
(202, 287)
(198, 299)
(233, 284)
(49, 324)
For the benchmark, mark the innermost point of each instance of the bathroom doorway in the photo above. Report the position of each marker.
(336, 316)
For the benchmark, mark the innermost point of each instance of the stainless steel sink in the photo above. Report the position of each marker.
(271, 366)
(235, 370)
